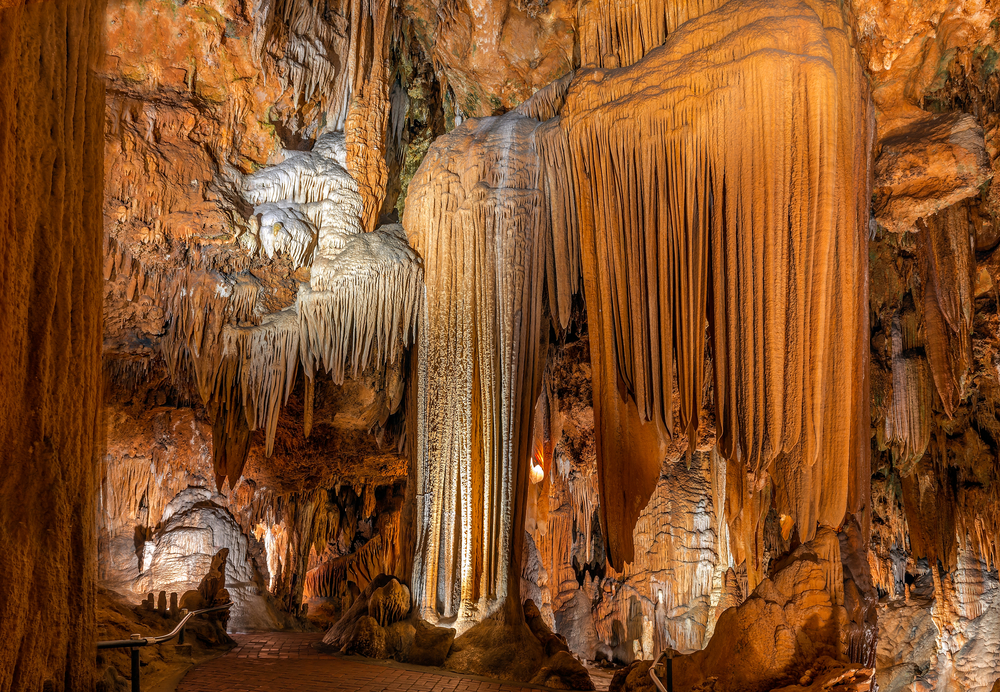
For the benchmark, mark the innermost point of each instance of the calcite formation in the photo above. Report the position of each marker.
(767, 392)
(50, 295)
(478, 227)
(646, 261)
(504, 335)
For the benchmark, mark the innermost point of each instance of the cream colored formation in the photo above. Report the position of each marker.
(359, 307)
(477, 220)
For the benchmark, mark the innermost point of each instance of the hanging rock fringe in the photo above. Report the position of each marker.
(480, 224)
(363, 305)
(619, 33)
(720, 187)
(737, 194)
(947, 268)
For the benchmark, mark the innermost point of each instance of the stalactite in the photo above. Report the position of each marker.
(378, 556)
(285, 229)
(267, 357)
(738, 193)
(907, 428)
(618, 33)
(337, 52)
(198, 313)
(947, 271)
(304, 45)
(303, 177)
(360, 307)
(368, 117)
(930, 506)
(309, 406)
(363, 305)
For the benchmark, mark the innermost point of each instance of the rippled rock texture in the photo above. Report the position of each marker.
(676, 318)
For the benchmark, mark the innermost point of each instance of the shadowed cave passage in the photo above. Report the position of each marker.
(500, 344)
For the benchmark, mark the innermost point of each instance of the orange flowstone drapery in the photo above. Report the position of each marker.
(724, 178)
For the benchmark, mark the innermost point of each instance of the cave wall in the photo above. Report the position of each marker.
(50, 198)
(237, 87)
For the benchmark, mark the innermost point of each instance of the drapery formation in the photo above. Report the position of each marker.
(724, 178)
(480, 223)
(717, 188)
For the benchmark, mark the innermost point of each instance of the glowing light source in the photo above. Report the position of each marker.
(537, 473)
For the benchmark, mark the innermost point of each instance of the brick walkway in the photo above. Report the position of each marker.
(278, 661)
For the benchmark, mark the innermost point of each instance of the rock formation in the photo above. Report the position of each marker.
(50, 293)
(509, 335)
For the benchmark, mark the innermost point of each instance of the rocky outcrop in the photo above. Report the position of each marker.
(926, 166)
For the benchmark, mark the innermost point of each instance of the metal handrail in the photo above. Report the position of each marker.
(669, 653)
(137, 640)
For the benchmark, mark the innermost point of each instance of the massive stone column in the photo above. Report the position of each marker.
(50, 298)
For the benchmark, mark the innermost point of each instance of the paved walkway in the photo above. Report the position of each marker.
(279, 661)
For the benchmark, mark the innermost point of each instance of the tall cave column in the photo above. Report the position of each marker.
(476, 216)
(51, 146)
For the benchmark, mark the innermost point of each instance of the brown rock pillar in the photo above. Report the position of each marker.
(51, 173)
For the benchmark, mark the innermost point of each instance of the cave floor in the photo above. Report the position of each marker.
(278, 661)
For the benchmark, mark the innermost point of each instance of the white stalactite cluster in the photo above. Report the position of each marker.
(363, 304)
(305, 207)
(359, 308)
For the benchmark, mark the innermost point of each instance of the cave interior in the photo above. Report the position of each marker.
(554, 342)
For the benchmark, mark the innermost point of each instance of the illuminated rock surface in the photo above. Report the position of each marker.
(508, 335)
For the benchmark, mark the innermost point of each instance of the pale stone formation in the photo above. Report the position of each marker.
(940, 636)
(193, 528)
(476, 220)
(784, 407)
(360, 306)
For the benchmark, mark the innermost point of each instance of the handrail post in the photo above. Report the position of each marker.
(669, 655)
(180, 637)
(670, 670)
(135, 668)
(137, 640)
